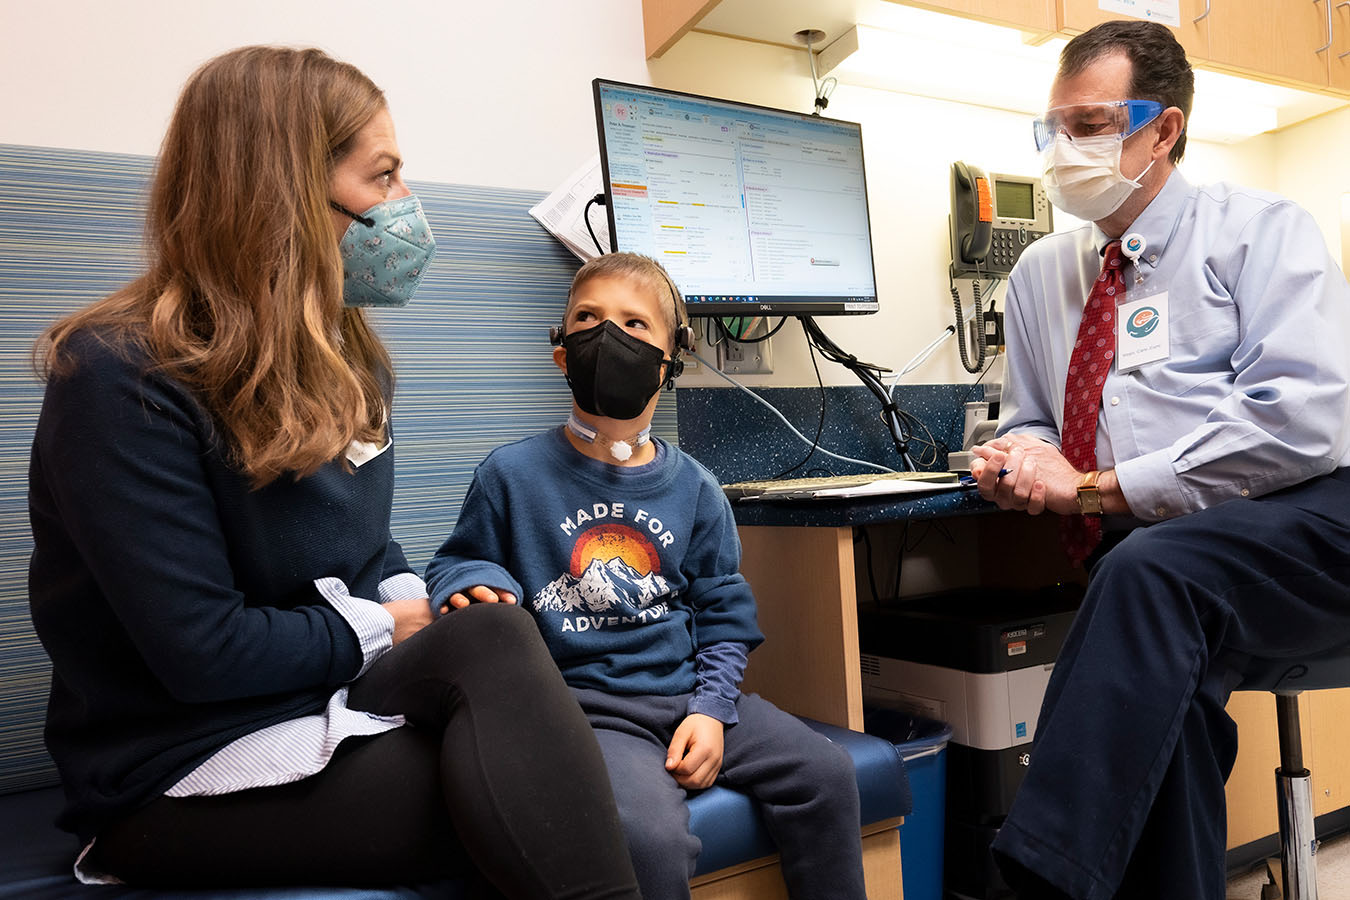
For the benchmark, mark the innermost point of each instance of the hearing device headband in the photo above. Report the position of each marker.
(684, 334)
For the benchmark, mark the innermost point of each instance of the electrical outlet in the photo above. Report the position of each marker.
(735, 358)
(993, 328)
(977, 411)
(993, 331)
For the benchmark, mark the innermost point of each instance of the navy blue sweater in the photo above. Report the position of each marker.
(629, 571)
(178, 605)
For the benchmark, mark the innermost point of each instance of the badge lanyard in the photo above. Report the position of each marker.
(1142, 335)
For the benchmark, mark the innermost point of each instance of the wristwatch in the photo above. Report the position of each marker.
(1089, 498)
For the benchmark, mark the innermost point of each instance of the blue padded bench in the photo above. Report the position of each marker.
(474, 372)
(35, 858)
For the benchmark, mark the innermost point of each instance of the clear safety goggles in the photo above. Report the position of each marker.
(1119, 118)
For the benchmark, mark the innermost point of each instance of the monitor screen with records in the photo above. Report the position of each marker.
(752, 210)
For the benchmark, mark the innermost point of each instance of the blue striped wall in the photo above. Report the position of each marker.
(69, 232)
(471, 353)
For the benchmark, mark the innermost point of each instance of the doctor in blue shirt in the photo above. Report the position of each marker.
(1207, 480)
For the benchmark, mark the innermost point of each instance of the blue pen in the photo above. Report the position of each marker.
(969, 480)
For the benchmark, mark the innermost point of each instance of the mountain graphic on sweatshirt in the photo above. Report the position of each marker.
(603, 586)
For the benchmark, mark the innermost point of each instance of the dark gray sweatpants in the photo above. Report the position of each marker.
(804, 783)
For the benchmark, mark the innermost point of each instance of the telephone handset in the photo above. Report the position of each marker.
(972, 219)
(971, 233)
(994, 219)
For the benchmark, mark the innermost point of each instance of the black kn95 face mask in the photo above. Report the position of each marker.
(612, 373)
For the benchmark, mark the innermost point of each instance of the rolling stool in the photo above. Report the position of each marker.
(1297, 875)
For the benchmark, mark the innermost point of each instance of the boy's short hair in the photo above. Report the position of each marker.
(646, 271)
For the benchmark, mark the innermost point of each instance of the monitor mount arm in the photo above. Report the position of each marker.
(869, 375)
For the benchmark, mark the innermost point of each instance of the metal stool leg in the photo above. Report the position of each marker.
(1293, 785)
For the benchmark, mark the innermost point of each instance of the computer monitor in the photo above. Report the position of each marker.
(752, 210)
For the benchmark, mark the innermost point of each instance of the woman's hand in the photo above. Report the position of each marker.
(478, 594)
(410, 616)
(695, 753)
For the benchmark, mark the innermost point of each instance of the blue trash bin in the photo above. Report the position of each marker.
(923, 745)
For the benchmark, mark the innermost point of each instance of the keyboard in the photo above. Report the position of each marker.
(839, 485)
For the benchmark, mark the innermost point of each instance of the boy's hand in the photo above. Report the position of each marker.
(695, 753)
(478, 594)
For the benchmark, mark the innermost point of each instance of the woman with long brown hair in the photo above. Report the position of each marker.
(248, 688)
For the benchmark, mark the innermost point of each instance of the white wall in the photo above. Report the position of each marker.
(1313, 168)
(491, 92)
(910, 143)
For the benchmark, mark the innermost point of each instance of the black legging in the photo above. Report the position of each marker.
(500, 766)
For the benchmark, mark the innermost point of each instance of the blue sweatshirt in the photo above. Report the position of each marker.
(630, 572)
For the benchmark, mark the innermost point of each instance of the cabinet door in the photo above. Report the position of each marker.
(666, 21)
(1029, 15)
(1281, 39)
(1340, 46)
(1329, 712)
(1080, 15)
(1252, 811)
(1325, 720)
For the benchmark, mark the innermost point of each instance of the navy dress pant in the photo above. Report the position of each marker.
(1125, 793)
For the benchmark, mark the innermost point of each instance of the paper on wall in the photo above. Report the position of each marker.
(1167, 12)
(561, 212)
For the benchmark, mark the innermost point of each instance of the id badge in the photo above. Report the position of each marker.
(1141, 332)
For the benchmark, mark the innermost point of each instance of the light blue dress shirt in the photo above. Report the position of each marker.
(1255, 394)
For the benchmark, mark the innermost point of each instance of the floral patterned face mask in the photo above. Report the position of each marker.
(385, 253)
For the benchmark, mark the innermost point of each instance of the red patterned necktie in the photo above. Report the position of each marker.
(1088, 366)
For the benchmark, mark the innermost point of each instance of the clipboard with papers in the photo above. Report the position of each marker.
(842, 487)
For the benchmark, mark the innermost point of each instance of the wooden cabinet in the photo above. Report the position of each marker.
(1078, 16)
(1029, 15)
(1282, 41)
(666, 21)
(1251, 786)
(803, 580)
(1338, 59)
(1329, 730)
(1325, 720)
(1285, 40)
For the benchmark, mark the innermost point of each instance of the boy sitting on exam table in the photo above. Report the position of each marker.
(625, 551)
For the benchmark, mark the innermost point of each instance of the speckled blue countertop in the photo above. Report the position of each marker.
(739, 440)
